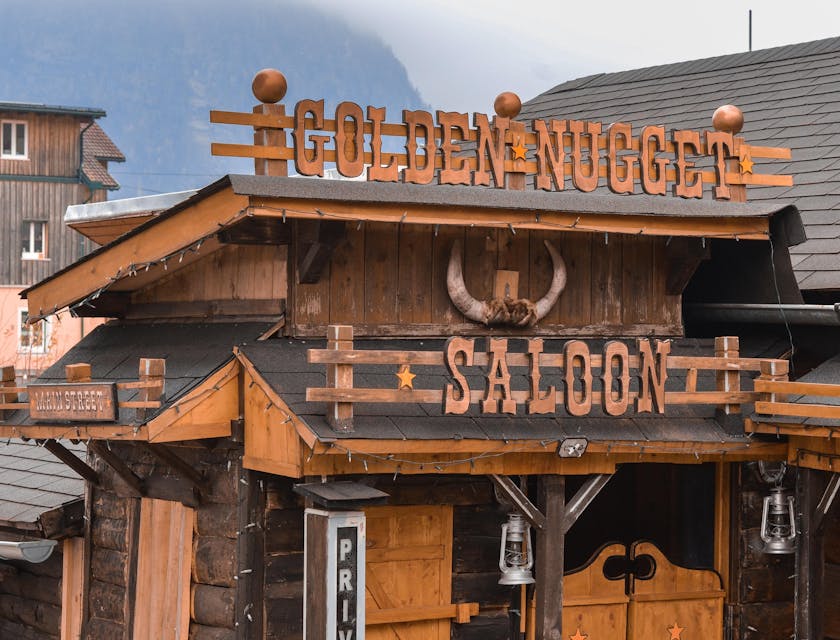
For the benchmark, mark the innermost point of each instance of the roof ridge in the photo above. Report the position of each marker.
(713, 63)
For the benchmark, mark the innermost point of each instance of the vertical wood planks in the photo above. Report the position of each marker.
(72, 588)
(340, 376)
(637, 286)
(415, 275)
(381, 261)
(347, 291)
(607, 270)
(443, 311)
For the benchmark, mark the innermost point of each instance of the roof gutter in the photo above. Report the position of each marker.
(800, 314)
(35, 551)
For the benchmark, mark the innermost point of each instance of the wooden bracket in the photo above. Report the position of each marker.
(683, 256)
(134, 482)
(513, 494)
(170, 458)
(316, 242)
(583, 498)
(71, 460)
(824, 505)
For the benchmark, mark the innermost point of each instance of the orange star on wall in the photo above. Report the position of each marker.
(518, 150)
(579, 636)
(746, 164)
(676, 631)
(406, 377)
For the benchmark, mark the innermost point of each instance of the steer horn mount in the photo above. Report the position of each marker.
(504, 311)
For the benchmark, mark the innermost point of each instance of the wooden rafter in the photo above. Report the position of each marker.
(507, 487)
(177, 464)
(71, 460)
(134, 482)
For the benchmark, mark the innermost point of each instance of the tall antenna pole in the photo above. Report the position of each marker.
(750, 29)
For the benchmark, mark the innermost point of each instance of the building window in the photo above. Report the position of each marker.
(13, 140)
(32, 338)
(34, 240)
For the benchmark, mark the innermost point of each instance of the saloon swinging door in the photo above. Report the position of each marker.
(636, 593)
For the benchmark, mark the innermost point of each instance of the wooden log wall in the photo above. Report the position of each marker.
(30, 598)
(113, 541)
(391, 279)
(762, 585)
(45, 201)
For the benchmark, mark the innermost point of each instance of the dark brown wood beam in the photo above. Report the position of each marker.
(683, 256)
(255, 230)
(110, 304)
(177, 464)
(71, 460)
(317, 240)
(583, 498)
(250, 547)
(132, 480)
(549, 558)
(829, 498)
(507, 488)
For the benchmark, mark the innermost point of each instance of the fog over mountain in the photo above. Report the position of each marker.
(158, 67)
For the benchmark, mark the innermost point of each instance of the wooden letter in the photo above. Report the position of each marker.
(578, 404)
(304, 164)
(415, 120)
(720, 144)
(653, 175)
(653, 373)
(498, 375)
(593, 130)
(455, 170)
(491, 145)
(613, 401)
(454, 346)
(537, 403)
(349, 151)
(551, 155)
(615, 183)
(376, 171)
(683, 139)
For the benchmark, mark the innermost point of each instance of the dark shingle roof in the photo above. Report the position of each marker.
(33, 481)
(790, 96)
(97, 150)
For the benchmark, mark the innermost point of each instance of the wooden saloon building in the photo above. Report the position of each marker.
(332, 409)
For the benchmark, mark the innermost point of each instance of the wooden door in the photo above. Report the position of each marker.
(673, 602)
(408, 572)
(595, 606)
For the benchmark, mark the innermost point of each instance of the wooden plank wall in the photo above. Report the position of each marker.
(831, 574)
(30, 598)
(383, 277)
(21, 201)
(762, 585)
(53, 146)
(234, 272)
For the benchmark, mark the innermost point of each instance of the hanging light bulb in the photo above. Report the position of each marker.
(778, 519)
(516, 557)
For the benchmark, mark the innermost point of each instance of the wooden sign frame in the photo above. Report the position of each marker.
(73, 402)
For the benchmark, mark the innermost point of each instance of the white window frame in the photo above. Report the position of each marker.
(24, 330)
(29, 228)
(16, 154)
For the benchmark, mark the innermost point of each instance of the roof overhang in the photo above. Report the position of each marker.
(189, 230)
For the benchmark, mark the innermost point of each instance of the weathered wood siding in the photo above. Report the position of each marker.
(53, 146)
(391, 279)
(22, 201)
(831, 575)
(30, 598)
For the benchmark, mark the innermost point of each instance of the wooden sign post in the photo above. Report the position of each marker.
(334, 578)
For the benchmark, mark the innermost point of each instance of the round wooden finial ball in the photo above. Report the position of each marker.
(728, 118)
(507, 105)
(269, 86)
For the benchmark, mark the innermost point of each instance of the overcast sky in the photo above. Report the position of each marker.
(460, 55)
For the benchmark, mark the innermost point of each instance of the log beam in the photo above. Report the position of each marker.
(514, 495)
(549, 560)
(177, 464)
(71, 460)
(132, 480)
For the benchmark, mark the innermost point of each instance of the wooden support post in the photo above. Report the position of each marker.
(809, 592)
(151, 370)
(7, 379)
(71, 460)
(517, 498)
(134, 482)
(250, 549)
(723, 519)
(549, 558)
(340, 376)
(271, 138)
(775, 371)
(728, 381)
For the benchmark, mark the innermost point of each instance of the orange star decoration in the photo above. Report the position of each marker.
(676, 631)
(579, 636)
(518, 150)
(406, 377)
(746, 164)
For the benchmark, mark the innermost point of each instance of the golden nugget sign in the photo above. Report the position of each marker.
(561, 149)
(576, 363)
